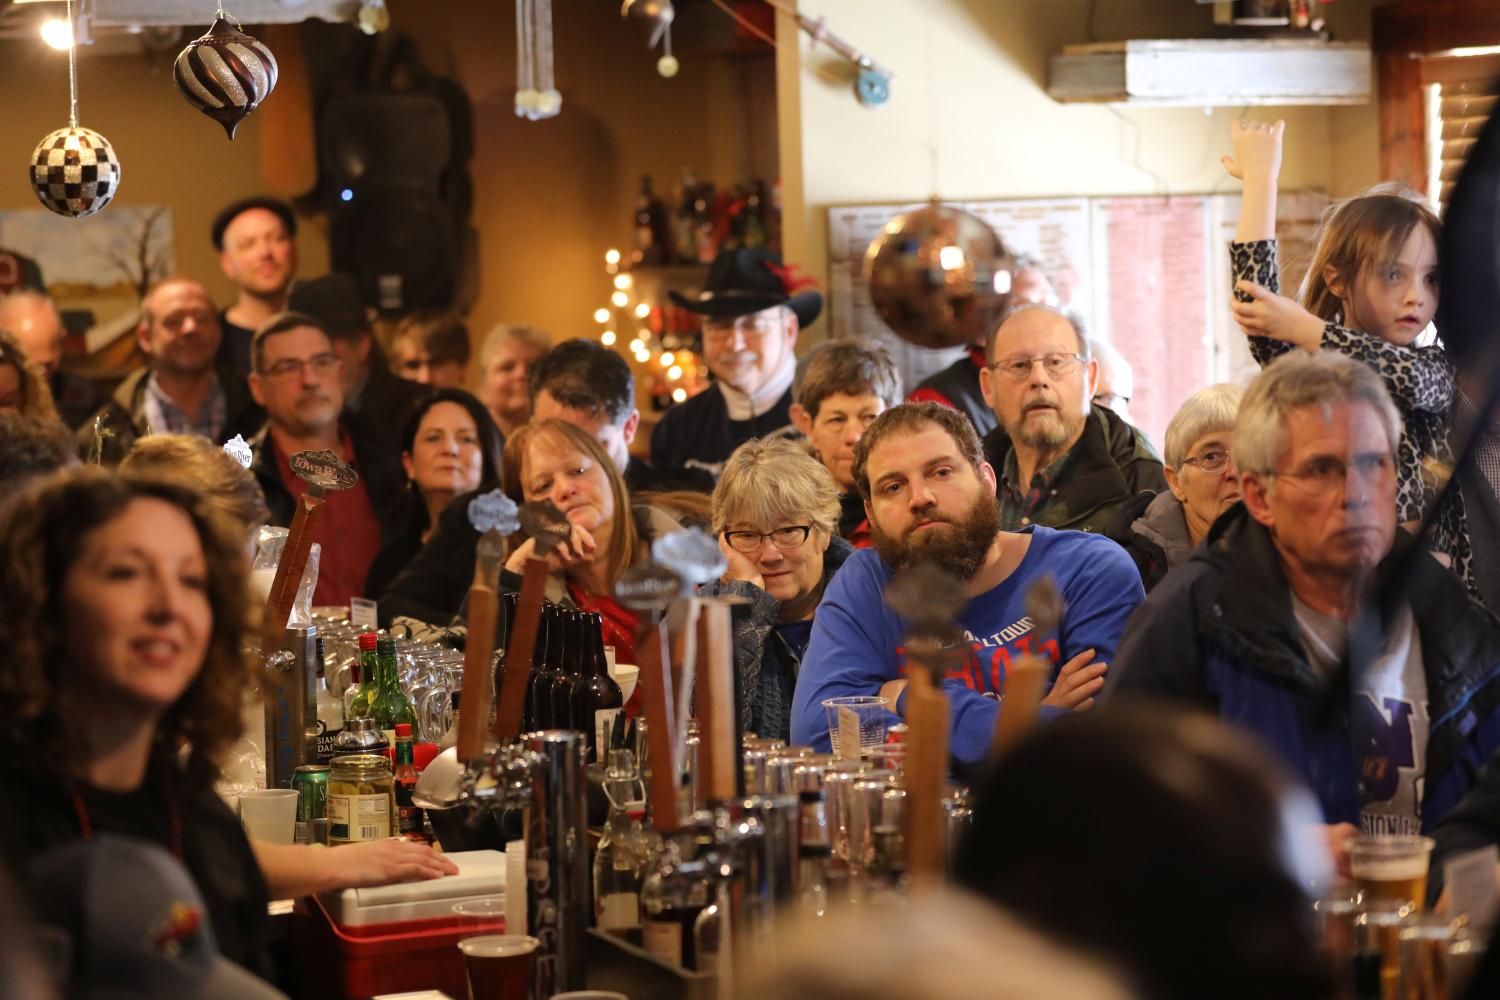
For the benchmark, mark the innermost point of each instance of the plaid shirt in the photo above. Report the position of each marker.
(1017, 508)
(165, 417)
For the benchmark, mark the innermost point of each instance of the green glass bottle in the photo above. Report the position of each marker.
(358, 706)
(391, 706)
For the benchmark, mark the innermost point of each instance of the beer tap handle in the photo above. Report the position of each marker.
(661, 723)
(926, 768)
(519, 649)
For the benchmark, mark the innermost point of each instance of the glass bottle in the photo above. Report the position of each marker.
(814, 850)
(369, 674)
(538, 712)
(390, 706)
(619, 864)
(597, 700)
(408, 815)
(566, 666)
(673, 894)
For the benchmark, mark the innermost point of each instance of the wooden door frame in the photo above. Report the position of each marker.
(1401, 33)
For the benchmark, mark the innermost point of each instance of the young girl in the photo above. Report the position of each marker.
(1371, 288)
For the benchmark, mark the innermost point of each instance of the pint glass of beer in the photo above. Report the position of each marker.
(1392, 867)
(499, 966)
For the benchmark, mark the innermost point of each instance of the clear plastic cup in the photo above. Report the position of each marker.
(868, 716)
(1391, 867)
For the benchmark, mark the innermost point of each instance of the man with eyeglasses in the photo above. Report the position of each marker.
(296, 376)
(1061, 460)
(931, 501)
(752, 309)
(1258, 625)
(180, 389)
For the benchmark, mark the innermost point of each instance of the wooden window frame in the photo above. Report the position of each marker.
(1401, 34)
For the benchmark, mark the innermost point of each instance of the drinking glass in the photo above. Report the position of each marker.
(869, 714)
(480, 917)
(1391, 867)
(499, 965)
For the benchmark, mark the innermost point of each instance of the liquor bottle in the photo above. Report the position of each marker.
(597, 700)
(673, 894)
(408, 815)
(369, 674)
(568, 666)
(684, 222)
(814, 850)
(652, 239)
(538, 714)
(619, 863)
(390, 705)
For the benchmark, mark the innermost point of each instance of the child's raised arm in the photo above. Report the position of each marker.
(1256, 162)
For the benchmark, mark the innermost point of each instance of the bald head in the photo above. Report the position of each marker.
(36, 324)
(1040, 378)
(179, 329)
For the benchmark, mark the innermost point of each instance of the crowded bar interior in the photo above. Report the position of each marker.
(736, 499)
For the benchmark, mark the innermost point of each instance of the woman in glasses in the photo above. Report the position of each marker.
(776, 514)
(1160, 530)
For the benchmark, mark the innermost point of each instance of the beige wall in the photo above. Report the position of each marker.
(169, 153)
(970, 84)
(550, 197)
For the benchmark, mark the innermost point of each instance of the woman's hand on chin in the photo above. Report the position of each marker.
(740, 567)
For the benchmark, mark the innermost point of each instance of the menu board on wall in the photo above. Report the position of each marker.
(1150, 274)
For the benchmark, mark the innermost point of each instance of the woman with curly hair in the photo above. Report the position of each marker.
(125, 610)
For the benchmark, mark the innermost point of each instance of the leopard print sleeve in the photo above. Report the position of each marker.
(1418, 378)
(1256, 261)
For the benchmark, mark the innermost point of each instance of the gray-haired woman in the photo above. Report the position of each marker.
(1160, 531)
(775, 512)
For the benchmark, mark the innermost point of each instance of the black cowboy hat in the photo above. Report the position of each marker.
(741, 282)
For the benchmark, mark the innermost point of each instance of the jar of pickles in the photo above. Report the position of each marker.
(361, 799)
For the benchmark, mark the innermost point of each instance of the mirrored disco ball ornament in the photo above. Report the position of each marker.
(74, 172)
(225, 74)
(939, 276)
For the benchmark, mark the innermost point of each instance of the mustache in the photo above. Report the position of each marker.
(314, 397)
(742, 358)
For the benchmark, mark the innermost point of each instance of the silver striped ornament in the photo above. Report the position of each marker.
(225, 74)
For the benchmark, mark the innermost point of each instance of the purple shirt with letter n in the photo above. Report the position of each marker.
(858, 643)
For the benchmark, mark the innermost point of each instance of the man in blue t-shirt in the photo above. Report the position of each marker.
(931, 500)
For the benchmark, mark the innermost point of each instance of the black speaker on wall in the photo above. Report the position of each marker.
(392, 224)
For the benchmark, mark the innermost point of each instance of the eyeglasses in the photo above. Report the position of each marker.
(1326, 474)
(1210, 461)
(321, 364)
(1055, 365)
(751, 327)
(786, 539)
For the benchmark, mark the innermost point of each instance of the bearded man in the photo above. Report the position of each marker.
(930, 498)
(1061, 460)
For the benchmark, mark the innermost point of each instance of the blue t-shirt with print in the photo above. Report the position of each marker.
(858, 643)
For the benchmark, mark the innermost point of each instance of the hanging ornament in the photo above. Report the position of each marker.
(939, 276)
(74, 170)
(225, 74)
(537, 96)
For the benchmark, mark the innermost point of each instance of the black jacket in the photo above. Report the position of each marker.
(699, 434)
(125, 415)
(1110, 463)
(379, 472)
(957, 386)
(386, 404)
(643, 477)
(1219, 634)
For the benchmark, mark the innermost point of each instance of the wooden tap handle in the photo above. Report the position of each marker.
(926, 768)
(718, 747)
(474, 708)
(661, 723)
(1023, 696)
(519, 649)
(289, 569)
